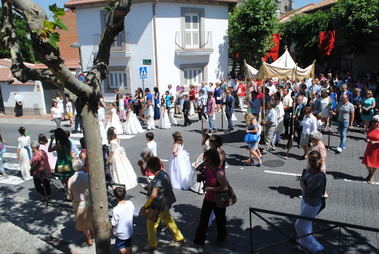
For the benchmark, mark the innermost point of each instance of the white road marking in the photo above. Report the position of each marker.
(14, 180)
(242, 168)
(281, 173)
(11, 146)
(121, 136)
(164, 160)
(355, 181)
(10, 155)
(12, 166)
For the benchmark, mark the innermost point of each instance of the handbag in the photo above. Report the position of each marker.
(251, 138)
(226, 198)
(150, 213)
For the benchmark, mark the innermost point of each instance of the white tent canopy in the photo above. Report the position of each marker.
(283, 68)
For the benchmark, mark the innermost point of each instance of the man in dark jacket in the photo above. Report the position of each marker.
(186, 110)
(229, 109)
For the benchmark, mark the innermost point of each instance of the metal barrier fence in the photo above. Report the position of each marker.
(293, 239)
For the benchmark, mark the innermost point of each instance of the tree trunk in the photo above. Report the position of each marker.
(97, 178)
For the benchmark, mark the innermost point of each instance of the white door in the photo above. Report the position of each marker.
(193, 76)
(192, 31)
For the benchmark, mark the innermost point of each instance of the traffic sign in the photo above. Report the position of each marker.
(143, 72)
(146, 61)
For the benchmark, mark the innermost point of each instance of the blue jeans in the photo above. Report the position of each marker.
(342, 128)
(211, 122)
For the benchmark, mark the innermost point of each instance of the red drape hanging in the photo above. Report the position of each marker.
(274, 52)
(326, 42)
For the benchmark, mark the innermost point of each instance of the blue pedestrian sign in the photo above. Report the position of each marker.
(143, 72)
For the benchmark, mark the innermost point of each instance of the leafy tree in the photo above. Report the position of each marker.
(43, 37)
(358, 21)
(22, 33)
(251, 24)
(302, 32)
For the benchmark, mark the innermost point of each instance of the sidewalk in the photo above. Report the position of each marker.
(17, 240)
(28, 119)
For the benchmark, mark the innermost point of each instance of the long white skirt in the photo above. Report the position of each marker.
(164, 121)
(25, 164)
(122, 170)
(180, 171)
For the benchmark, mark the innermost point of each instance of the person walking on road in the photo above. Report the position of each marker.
(122, 222)
(270, 127)
(215, 181)
(24, 153)
(56, 114)
(2, 151)
(312, 183)
(345, 120)
(161, 198)
(371, 155)
(63, 168)
(211, 105)
(78, 189)
(40, 170)
(229, 109)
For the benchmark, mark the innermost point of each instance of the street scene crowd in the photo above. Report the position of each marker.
(278, 114)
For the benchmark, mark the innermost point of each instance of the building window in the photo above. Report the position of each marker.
(192, 30)
(116, 79)
(193, 76)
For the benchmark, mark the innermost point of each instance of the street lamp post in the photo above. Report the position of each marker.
(77, 45)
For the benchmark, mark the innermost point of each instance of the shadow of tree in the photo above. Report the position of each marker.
(347, 242)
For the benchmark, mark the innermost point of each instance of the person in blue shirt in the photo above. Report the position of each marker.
(343, 90)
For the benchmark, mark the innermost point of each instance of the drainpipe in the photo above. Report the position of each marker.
(155, 44)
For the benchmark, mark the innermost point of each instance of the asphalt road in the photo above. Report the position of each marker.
(272, 187)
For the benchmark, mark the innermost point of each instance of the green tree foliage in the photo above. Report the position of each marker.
(302, 31)
(251, 24)
(22, 33)
(358, 20)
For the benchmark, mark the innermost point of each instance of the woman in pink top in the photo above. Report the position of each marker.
(211, 104)
(44, 146)
(40, 170)
(215, 181)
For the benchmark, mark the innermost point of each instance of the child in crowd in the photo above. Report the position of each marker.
(151, 144)
(122, 222)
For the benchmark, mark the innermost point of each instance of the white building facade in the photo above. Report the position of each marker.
(178, 42)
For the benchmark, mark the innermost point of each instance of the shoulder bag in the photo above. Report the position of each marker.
(150, 213)
(251, 138)
(226, 198)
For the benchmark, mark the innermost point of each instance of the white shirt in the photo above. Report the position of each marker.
(56, 112)
(69, 108)
(280, 111)
(122, 220)
(309, 124)
(287, 101)
(152, 146)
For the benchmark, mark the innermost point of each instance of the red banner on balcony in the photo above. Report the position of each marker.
(274, 52)
(326, 42)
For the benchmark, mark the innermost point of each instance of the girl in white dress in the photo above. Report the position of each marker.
(164, 121)
(149, 114)
(101, 119)
(132, 125)
(115, 120)
(179, 165)
(121, 108)
(121, 170)
(24, 153)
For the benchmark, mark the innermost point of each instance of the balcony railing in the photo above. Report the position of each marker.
(192, 40)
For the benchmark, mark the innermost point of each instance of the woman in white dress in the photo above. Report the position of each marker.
(115, 120)
(24, 153)
(326, 103)
(60, 105)
(180, 170)
(164, 121)
(122, 171)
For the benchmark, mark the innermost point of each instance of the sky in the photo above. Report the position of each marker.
(45, 3)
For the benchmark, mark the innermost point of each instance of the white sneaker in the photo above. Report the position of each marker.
(339, 149)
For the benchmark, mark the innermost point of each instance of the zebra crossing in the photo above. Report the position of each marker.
(12, 167)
